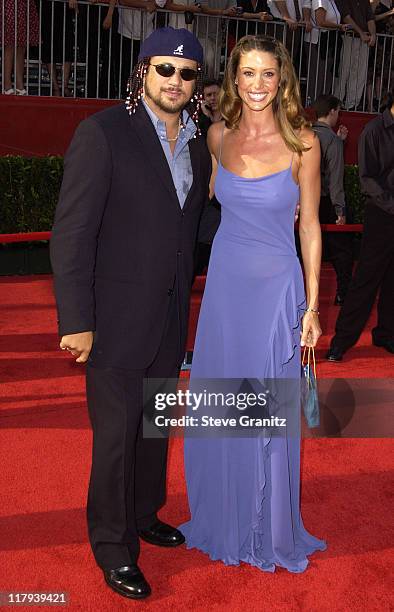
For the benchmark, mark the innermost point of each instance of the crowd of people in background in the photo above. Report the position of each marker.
(333, 44)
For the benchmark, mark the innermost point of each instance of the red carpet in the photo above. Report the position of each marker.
(347, 490)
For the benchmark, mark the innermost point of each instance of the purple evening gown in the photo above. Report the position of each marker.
(244, 492)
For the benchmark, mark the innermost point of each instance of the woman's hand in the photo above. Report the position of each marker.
(311, 330)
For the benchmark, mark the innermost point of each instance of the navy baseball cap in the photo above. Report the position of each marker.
(172, 42)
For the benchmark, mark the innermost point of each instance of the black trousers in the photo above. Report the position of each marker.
(374, 272)
(338, 246)
(128, 477)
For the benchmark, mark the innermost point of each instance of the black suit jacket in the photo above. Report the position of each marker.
(121, 245)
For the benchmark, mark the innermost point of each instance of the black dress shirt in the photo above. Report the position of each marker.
(359, 10)
(376, 161)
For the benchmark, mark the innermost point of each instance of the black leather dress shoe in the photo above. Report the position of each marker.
(334, 354)
(128, 581)
(162, 534)
(386, 344)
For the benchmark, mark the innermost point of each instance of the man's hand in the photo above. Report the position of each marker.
(308, 26)
(372, 40)
(151, 6)
(265, 16)
(342, 132)
(206, 110)
(365, 37)
(107, 23)
(230, 12)
(79, 345)
(193, 8)
(341, 220)
(292, 23)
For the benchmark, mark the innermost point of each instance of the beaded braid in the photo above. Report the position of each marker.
(135, 85)
(135, 90)
(194, 106)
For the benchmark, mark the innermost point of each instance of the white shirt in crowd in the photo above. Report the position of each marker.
(272, 5)
(332, 12)
(133, 21)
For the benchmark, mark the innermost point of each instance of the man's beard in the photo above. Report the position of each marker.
(164, 105)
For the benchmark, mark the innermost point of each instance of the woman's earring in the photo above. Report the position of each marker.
(236, 82)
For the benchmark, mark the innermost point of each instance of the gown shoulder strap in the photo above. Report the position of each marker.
(221, 143)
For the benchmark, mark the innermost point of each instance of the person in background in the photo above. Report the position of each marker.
(332, 201)
(375, 269)
(355, 51)
(14, 27)
(210, 112)
(209, 31)
(255, 11)
(54, 52)
(208, 26)
(379, 61)
(129, 30)
(294, 13)
(325, 47)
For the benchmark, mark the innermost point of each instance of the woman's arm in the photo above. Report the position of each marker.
(310, 234)
(214, 138)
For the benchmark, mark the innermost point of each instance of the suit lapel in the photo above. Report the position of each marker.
(151, 145)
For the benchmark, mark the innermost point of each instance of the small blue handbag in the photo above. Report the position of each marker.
(309, 395)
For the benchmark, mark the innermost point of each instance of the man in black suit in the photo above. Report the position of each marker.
(375, 269)
(122, 254)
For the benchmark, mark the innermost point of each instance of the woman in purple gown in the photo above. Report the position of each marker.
(244, 491)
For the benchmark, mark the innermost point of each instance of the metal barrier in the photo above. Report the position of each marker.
(94, 48)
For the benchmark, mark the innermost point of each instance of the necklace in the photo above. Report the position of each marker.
(177, 136)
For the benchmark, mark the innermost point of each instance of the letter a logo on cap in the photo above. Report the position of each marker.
(178, 50)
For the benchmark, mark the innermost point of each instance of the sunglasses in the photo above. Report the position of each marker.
(167, 70)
